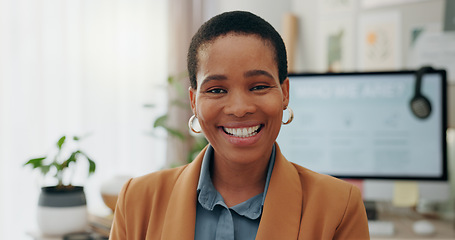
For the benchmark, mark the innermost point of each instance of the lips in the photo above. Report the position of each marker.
(243, 132)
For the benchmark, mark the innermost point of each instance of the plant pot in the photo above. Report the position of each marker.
(62, 210)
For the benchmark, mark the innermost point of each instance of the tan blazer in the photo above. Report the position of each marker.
(300, 204)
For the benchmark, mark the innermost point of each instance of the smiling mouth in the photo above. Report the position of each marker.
(243, 132)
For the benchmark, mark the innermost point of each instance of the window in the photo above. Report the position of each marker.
(78, 67)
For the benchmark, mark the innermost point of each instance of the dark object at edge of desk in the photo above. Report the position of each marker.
(84, 236)
(370, 207)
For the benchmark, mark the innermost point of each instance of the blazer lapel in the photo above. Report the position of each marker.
(282, 210)
(180, 219)
(282, 207)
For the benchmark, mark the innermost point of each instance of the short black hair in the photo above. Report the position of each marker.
(239, 22)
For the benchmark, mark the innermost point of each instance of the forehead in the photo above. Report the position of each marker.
(234, 56)
(231, 35)
(249, 48)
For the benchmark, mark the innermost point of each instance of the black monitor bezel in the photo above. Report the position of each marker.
(444, 176)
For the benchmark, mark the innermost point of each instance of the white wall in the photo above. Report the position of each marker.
(427, 13)
(77, 67)
(271, 10)
(309, 56)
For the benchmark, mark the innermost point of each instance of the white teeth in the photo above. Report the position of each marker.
(242, 132)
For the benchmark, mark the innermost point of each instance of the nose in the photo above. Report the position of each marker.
(239, 104)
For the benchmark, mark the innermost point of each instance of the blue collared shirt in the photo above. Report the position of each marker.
(215, 220)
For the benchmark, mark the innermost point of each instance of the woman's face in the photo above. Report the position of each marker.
(239, 100)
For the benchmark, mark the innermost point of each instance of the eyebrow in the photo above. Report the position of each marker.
(250, 73)
(253, 73)
(215, 77)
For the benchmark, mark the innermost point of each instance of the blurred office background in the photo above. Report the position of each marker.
(90, 67)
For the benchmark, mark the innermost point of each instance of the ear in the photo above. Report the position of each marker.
(285, 91)
(192, 93)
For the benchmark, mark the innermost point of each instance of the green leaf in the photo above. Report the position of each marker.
(199, 144)
(180, 90)
(72, 158)
(160, 121)
(58, 166)
(149, 105)
(175, 133)
(60, 142)
(170, 80)
(92, 166)
(35, 162)
(45, 169)
(56, 160)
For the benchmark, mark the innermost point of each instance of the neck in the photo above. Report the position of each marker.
(237, 181)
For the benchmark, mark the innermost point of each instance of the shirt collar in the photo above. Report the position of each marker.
(209, 197)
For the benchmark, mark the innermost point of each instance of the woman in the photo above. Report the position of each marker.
(240, 186)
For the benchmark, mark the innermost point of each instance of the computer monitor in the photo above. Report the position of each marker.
(365, 125)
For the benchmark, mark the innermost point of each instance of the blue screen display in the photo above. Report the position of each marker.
(361, 125)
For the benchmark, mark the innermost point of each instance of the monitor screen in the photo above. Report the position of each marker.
(362, 125)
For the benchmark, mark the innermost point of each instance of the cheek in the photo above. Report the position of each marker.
(274, 108)
(277, 118)
(206, 112)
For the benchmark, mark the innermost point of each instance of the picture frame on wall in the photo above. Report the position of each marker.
(384, 3)
(379, 41)
(332, 6)
(337, 44)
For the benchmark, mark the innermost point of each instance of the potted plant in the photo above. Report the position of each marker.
(62, 207)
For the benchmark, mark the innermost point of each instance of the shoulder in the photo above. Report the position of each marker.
(318, 179)
(332, 208)
(324, 185)
(334, 195)
(159, 185)
(141, 194)
(336, 201)
(153, 182)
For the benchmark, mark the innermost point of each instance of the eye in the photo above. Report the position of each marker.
(216, 90)
(260, 87)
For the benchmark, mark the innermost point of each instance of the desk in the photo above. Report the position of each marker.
(99, 227)
(35, 235)
(403, 223)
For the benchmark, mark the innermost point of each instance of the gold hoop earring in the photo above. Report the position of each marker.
(291, 116)
(190, 124)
